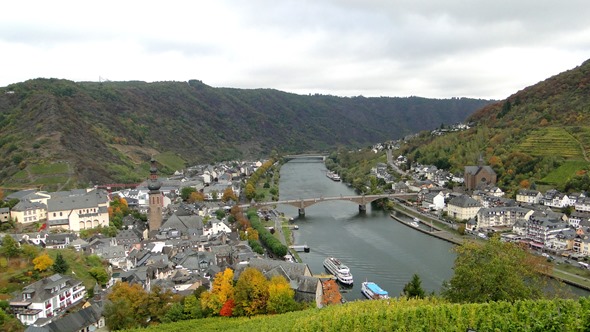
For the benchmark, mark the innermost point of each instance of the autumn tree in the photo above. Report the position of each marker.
(495, 271)
(127, 307)
(42, 262)
(331, 292)
(525, 184)
(250, 191)
(281, 297)
(228, 194)
(196, 196)
(159, 302)
(228, 308)
(185, 192)
(252, 234)
(413, 289)
(221, 291)
(251, 293)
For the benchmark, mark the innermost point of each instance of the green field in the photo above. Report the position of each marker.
(20, 175)
(552, 141)
(44, 169)
(564, 172)
(171, 160)
(51, 180)
(582, 134)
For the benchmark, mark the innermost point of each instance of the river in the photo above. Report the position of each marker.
(375, 246)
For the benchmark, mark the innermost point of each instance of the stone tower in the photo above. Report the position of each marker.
(156, 199)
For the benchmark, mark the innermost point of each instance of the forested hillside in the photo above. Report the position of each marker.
(58, 133)
(537, 137)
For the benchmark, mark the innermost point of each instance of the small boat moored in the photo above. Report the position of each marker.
(373, 292)
(333, 176)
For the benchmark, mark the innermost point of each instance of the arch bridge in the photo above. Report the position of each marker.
(305, 156)
(301, 204)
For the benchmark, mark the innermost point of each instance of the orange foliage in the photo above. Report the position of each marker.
(222, 290)
(495, 161)
(331, 292)
(543, 123)
(525, 184)
(227, 309)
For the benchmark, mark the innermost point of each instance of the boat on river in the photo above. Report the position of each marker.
(373, 292)
(333, 176)
(339, 270)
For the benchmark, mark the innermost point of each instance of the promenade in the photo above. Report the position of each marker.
(433, 228)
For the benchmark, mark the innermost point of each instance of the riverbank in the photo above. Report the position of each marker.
(433, 231)
(445, 235)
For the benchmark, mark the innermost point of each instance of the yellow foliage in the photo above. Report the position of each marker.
(221, 291)
(42, 262)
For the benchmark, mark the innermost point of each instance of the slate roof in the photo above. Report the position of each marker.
(293, 270)
(464, 201)
(72, 322)
(25, 205)
(476, 169)
(20, 194)
(183, 223)
(41, 290)
(75, 201)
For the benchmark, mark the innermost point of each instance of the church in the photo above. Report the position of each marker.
(479, 176)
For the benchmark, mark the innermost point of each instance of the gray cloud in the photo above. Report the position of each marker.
(486, 49)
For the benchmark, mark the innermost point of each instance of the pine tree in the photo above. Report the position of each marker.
(60, 265)
(414, 288)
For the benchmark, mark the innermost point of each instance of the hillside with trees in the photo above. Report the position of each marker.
(59, 134)
(538, 137)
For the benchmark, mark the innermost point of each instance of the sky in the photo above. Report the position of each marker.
(428, 48)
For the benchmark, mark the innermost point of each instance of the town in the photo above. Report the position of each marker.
(181, 235)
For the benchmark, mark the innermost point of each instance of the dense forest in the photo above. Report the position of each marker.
(62, 133)
(538, 137)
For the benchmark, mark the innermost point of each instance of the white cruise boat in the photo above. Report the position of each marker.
(373, 292)
(339, 270)
(333, 176)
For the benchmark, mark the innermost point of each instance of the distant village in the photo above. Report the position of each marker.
(183, 246)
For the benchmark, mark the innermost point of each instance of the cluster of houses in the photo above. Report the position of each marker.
(533, 217)
(185, 249)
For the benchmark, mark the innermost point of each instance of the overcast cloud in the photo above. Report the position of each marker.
(451, 48)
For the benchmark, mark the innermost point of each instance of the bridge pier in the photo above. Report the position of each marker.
(301, 212)
(362, 208)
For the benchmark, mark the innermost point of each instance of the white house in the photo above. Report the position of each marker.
(434, 201)
(528, 196)
(47, 298)
(217, 226)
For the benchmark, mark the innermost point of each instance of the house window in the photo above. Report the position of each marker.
(60, 214)
(54, 214)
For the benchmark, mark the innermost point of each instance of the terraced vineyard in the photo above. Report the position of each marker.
(408, 315)
(552, 141)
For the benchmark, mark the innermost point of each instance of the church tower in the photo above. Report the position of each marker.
(155, 199)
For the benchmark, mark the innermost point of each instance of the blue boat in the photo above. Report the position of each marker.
(373, 292)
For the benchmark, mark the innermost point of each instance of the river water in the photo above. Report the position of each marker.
(375, 246)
